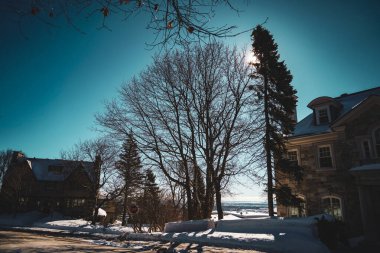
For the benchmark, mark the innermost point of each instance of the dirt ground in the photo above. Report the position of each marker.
(22, 242)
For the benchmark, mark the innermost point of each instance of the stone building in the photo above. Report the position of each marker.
(338, 145)
(48, 185)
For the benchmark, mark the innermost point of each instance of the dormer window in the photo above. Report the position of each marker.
(326, 109)
(55, 169)
(323, 115)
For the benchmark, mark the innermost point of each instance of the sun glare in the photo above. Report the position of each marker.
(250, 57)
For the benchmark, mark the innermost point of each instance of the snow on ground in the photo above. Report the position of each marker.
(79, 225)
(236, 230)
(265, 234)
(189, 226)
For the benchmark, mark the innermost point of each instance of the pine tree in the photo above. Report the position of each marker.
(129, 169)
(279, 101)
(151, 200)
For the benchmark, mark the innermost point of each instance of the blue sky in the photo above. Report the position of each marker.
(53, 82)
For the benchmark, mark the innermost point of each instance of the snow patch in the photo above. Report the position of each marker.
(189, 226)
(102, 212)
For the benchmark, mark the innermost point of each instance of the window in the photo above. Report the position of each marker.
(23, 201)
(366, 149)
(325, 158)
(297, 211)
(323, 115)
(377, 141)
(293, 156)
(55, 169)
(333, 206)
(77, 202)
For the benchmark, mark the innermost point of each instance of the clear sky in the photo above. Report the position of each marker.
(55, 80)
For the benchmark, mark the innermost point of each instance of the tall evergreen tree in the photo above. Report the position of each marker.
(151, 200)
(129, 169)
(278, 99)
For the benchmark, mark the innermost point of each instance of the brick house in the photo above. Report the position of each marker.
(338, 145)
(48, 185)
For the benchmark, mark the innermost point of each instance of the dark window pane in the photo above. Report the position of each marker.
(292, 156)
(366, 150)
(323, 116)
(325, 160)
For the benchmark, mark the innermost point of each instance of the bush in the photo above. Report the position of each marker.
(330, 232)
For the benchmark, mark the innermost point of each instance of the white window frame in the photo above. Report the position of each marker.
(363, 149)
(331, 155)
(298, 155)
(375, 153)
(327, 108)
(334, 197)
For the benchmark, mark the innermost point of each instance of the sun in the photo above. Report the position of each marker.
(250, 57)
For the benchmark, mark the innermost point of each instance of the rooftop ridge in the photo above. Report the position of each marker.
(357, 92)
(61, 160)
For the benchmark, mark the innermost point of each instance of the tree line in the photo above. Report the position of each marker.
(198, 116)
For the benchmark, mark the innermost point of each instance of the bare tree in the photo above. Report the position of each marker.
(173, 21)
(193, 117)
(102, 152)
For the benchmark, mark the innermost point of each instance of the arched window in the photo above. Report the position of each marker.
(376, 136)
(333, 205)
(297, 211)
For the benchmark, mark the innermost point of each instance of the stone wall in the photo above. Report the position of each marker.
(339, 182)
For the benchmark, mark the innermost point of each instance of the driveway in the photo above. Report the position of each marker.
(22, 242)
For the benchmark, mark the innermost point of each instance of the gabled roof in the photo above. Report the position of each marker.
(348, 103)
(323, 100)
(40, 168)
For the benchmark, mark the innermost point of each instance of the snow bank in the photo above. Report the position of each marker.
(80, 226)
(288, 235)
(266, 234)
(293, 235)
(284, 243)
(188, 226)
(268, 225)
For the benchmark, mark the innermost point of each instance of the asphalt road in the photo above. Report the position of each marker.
(22, 242)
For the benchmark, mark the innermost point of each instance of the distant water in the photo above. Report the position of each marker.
(245, 206)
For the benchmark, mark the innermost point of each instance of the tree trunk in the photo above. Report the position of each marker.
(218, 197)
(209, 198)
(268, 150)
(190, 211)
(124, 216)
(96, 211)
